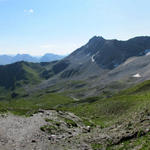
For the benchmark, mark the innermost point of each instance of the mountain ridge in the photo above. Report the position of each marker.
(9, 59)
(106, 54)
(96, 64)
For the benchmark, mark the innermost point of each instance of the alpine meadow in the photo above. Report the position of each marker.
(62, 88)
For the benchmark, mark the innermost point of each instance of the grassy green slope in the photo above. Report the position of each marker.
(21, 73)
(105, 110)
(31, 104)
(15, 77)
(100, 111)
(17, 74)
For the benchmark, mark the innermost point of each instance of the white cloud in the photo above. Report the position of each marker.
(29, 11)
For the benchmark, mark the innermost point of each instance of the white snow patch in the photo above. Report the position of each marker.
(92, 58)
(137, 75)
(147, 52)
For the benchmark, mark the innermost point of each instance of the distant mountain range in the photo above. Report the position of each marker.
(8, 59)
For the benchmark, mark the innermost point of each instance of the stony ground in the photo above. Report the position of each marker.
(56, 130)
(18, 133)
(24, 133)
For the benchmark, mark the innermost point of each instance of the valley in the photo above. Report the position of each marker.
(96, 98)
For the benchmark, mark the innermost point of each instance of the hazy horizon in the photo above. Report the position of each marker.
(32, 55)
(51, 52)
(37, 27)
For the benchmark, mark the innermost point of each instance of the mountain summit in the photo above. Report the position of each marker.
(111, 53)
(99, 56)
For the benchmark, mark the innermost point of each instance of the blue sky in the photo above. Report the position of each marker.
(60, 26)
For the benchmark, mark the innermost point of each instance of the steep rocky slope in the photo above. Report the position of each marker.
(99, 55)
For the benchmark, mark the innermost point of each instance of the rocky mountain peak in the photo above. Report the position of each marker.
(96, 39)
